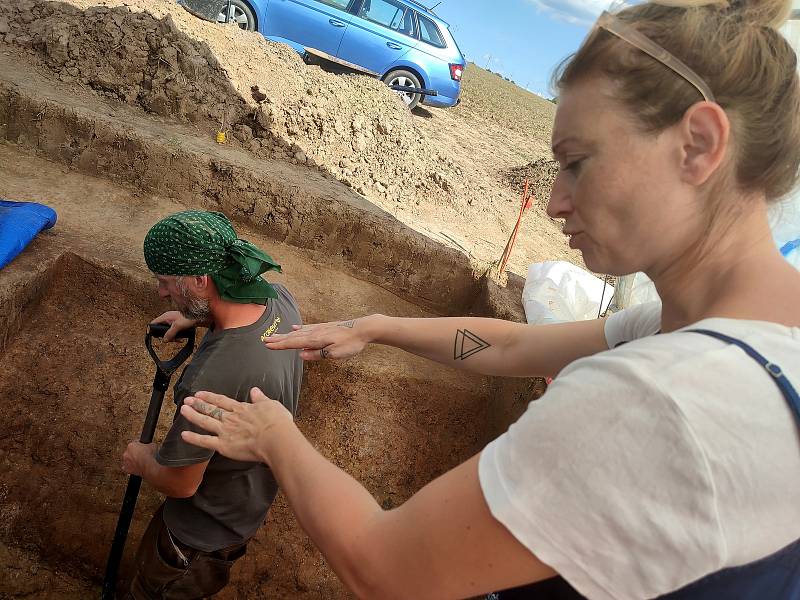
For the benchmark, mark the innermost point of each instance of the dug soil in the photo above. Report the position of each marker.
(75, 380)
(439, 171)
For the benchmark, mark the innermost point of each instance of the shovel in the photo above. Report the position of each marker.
(164, 370)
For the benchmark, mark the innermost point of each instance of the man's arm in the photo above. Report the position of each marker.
(175, 482)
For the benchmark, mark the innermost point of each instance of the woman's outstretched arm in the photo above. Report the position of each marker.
(486, 346)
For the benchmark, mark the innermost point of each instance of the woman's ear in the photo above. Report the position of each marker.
(704, 132)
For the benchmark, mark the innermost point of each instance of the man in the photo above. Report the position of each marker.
(214, 505)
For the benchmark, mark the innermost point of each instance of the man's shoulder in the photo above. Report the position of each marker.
(284, 295)
(285, 312)
(242, 353)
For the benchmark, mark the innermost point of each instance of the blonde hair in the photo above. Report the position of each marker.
(735, 46)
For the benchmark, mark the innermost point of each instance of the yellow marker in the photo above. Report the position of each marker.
(221, 139)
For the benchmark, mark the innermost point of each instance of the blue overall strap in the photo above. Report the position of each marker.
(777, 576)
(791, 395)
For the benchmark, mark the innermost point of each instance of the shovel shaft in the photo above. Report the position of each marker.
(120, 535)
(160, 384)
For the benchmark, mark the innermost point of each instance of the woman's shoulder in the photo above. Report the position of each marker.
(633, 323)
(679, 379)
(635, 344)
(590, 459)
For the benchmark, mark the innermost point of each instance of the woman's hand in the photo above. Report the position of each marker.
(241, 431)
(177, 323)
(338, 339)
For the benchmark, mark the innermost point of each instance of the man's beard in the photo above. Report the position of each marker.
(191, 306)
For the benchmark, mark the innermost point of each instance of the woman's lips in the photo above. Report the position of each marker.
(574, 237)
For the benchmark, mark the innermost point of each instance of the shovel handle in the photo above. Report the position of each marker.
(159, 330)
(167, 367)
(120, 536)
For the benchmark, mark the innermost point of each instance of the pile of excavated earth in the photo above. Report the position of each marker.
(443, 167)
(538, 176)
(147, 53)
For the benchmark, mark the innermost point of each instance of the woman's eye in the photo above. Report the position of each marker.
(574, 166)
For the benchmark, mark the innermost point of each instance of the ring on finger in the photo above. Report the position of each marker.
(323, 352)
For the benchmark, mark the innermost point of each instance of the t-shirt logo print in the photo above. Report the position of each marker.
(271, 329)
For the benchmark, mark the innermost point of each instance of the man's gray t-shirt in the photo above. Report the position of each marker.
(234, 497)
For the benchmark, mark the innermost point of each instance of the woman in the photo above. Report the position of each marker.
(662, 465)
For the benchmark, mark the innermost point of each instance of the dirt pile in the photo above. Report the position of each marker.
(540, 175)
(153, 54)
(437, 171)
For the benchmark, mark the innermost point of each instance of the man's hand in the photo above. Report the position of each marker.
(177, 323)
(137, 456)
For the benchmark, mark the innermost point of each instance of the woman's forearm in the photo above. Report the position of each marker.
(433, 538)
(332, 508)
(489, 346)
(470, 343)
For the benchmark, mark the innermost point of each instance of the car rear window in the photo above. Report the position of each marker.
(429, 32)
(388, 13)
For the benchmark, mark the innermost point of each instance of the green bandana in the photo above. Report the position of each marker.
(196, 242)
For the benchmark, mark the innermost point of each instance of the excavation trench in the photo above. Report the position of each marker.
(75, 381)
(75, 377)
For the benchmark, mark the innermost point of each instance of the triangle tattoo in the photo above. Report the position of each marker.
(467, 344)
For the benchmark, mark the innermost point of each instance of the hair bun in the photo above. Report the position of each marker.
(766, 13)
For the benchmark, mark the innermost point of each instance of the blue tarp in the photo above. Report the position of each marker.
(20, 222)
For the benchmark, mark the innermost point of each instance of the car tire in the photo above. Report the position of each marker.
(242, 14)
(407, 78)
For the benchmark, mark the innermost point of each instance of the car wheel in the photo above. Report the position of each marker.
(241, 14)
(407, 79)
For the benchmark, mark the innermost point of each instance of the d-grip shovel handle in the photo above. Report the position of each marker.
(159, 330)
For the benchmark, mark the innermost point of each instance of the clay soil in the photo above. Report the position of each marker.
(80, 379)
(75, 381)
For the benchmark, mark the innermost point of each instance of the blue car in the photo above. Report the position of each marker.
(399, 41)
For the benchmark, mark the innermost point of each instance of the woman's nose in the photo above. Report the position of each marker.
(560, 204)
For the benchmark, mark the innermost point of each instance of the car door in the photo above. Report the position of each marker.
(318, 24)
(380, 33)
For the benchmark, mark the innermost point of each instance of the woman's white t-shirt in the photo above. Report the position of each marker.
(653, 464)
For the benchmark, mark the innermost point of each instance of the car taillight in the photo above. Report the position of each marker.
(456, 71)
